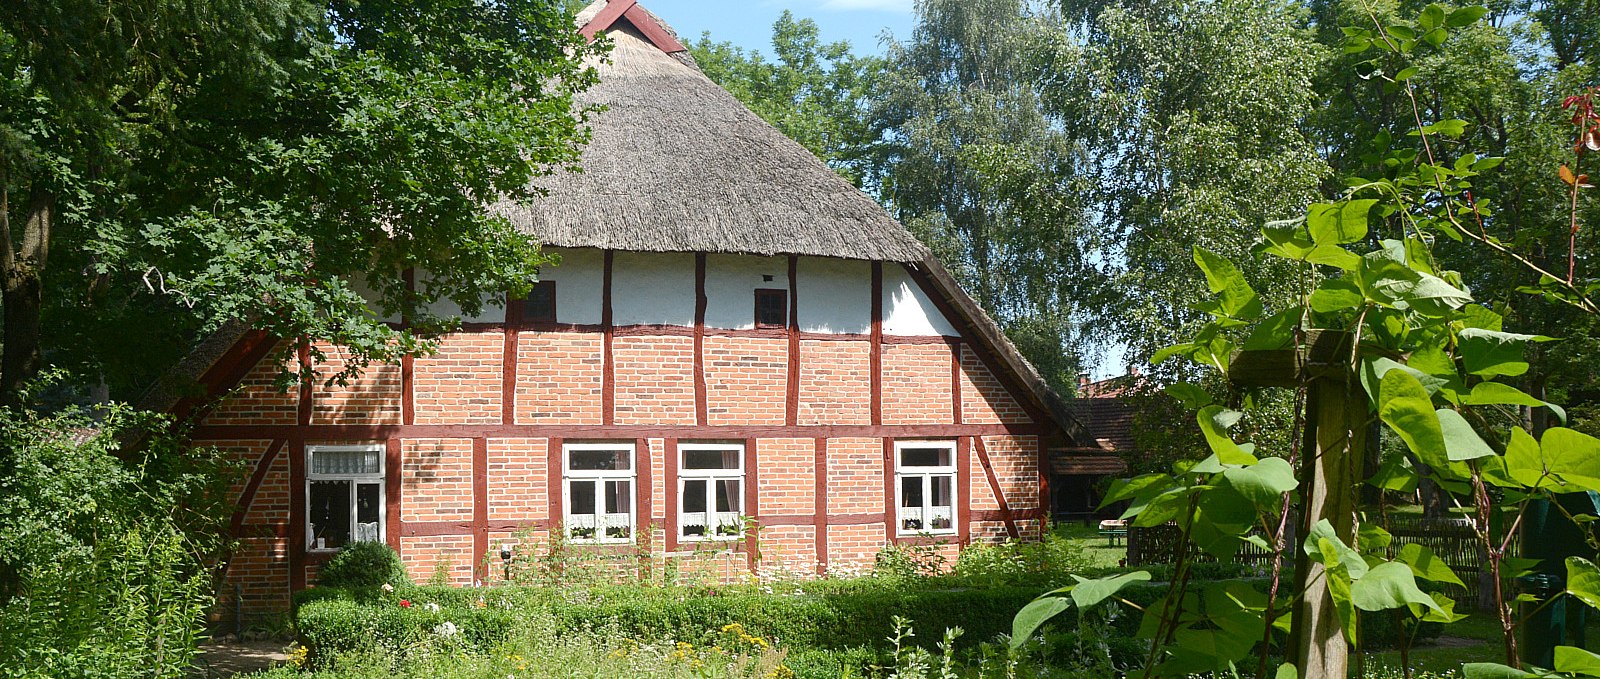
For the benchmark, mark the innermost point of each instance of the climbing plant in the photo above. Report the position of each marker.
(1416, 353)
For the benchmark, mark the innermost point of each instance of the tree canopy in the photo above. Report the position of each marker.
(166, 167)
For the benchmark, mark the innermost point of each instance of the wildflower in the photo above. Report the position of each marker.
(431, 607)
(448, 629)
(481, 603)
(388, 588)
(405, 603)
(298, 655)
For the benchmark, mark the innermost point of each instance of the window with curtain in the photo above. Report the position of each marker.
(710, 491)
(598, 483)
(344, 495)
(925, 486)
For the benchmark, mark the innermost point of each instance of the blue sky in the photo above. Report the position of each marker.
(748, 23)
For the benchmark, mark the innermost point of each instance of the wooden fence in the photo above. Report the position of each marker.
(1451, 539)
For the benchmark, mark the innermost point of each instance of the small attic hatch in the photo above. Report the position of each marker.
(772, 308)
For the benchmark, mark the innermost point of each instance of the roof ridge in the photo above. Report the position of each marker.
(648, 24)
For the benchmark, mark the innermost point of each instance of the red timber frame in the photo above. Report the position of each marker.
(285, 439)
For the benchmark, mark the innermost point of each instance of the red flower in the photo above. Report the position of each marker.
(405, 603)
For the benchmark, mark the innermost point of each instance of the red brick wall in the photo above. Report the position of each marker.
(655, 380)
(854, 546)
(746, 380)
(786, 480)
(437, 480)
(984, 400)
(260, 566)
(559, 378)
(426, 554)
(916, 384)
(257, 399)
(517, 491)
(855, 477)
(371, 398)
(835, 382)
(460, 384)
(1016, 466)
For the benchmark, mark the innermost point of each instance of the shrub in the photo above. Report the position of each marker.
(104, 548)
(364, 566)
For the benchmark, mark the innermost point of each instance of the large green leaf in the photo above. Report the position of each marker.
(1148, 485)
(1495, 393)
(1525, 462)
(1090, 593)
(1404, 406)
(1574, 456)
(1264, 482)
(1214, 423)
(1374, 369)
(1291, 240)
(1389, 585)
(1387, 277)
(1338, 223)
(1323, 544)
(1577, 661)
(1489, 670)
(1276, 332)
(1236, 298)
(1490, 352)
(1222, 519)
(1396, 474)
(1192, 397)
(1336, 294)
(1460, 441)
(1035, 615)
(1583, 581)
(1426, 565)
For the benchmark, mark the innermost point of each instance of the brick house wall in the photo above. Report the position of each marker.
(472, 440)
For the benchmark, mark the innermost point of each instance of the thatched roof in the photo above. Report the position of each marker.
(677, 164)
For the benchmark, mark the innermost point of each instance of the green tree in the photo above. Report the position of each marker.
(977, 167)
(819, 94)
(166, 167)
(1187, 114)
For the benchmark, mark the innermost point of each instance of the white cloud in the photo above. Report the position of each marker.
(902, 6)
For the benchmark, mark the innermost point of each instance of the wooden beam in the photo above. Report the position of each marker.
(653, 30)
(792, 388)
(994, 486)
(608, 367)
(480, 507)
(819, 505)
(608, 15)
(876, 359)
(248, 496)
(700, 303)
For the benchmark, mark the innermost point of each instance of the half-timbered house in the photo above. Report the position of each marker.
(735, 338)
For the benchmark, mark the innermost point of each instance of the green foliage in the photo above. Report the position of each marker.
(104, 554)
(364, 566)
(199, 163)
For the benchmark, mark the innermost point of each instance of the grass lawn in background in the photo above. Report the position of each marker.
(1094, 546)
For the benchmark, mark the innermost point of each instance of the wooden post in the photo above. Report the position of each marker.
(1331, 461)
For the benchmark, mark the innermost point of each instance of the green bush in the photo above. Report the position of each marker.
(364, 566)
(105, 548)
(827, 615)
(331, 627)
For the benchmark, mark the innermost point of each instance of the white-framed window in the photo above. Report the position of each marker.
(925, 487)
(597, 492)
(344, 495)
(710, 491)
